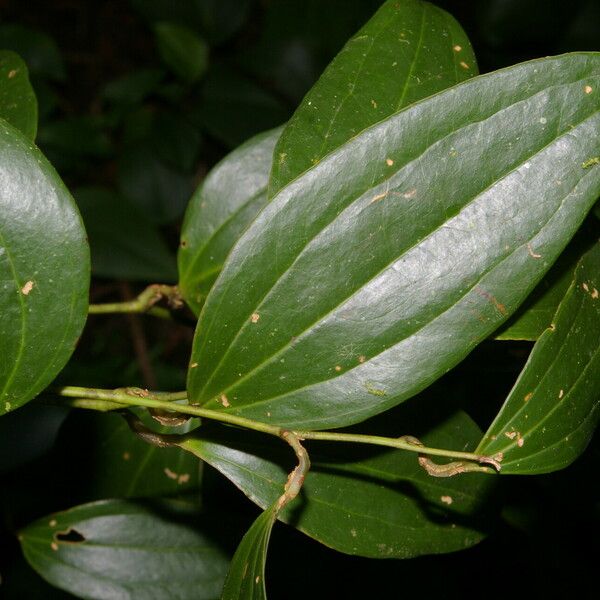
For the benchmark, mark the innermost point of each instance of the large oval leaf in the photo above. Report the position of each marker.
(407, 51)
(361, 500)
(246, 576)
(551, 414)
(18, 104)
(229, 198)
(386, 264)
(117, 549)
(44, 271)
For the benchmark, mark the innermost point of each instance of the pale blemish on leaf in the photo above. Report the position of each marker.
(588, 89)
(457, 48)
(27, 288)
(561, 394)
(447, 500)
(389, 162)
(126, 456)
(374, 391)
(12, 73)
(170, 474)
(255, 317)
(464, 65)
(532, 253)
(224, 401)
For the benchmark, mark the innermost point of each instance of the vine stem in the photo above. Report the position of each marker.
(143, 303)
(102, 399)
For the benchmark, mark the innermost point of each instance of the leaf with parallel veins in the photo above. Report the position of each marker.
(382, 267)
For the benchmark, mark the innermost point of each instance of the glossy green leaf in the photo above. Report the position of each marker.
(124, 244)
(535, 315)
(407, 51)
(44, 271)
(229, 198)
(115, 463)
(361, 500)
(383, 266)
(117, 549)
(246, 577)
(18, 104)
(182, 50)
(551, 414)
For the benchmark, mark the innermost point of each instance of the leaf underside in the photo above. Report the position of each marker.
(382, 267)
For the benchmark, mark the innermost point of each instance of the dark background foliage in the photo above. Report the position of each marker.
(118, 112)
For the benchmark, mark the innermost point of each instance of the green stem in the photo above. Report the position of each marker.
(123, 397)
(144, 303)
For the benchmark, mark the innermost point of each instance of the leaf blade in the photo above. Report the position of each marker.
(221, 208)
(121, 549)
(18, 104)
(246, 577)
(305, 352)
(552, 411)
(405, 52)
(43, 304)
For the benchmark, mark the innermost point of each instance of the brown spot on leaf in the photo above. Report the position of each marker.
(170, 474)
(528, 397)
(464, 65)
(224, 401)
(54, 546)
(126, 456)
(184, 478)
(255, 317)
(447, 500)
(588, 89)
(389, 162)
(338, 368)
(12, 73)
(457, 48)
